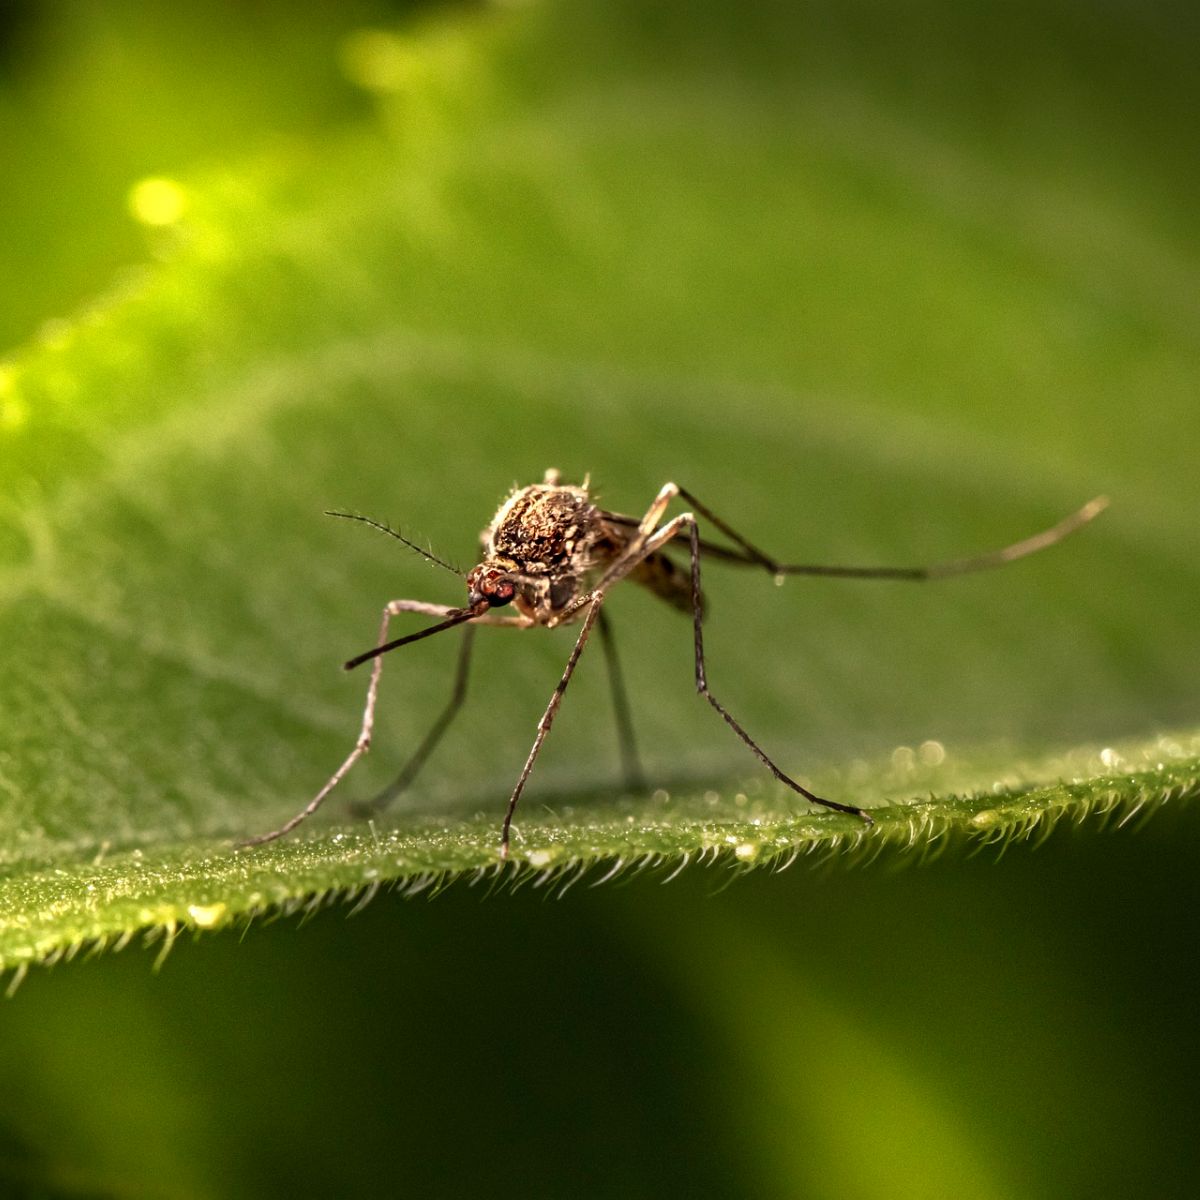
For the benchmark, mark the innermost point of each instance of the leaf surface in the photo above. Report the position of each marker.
(860, 330)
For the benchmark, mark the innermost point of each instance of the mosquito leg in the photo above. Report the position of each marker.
(636, 550)
(702, 683)
(368, 721)
(751, 554)
(644, 542)
(673, 529)
(631, 768)
(654, 513)
(425, 749)
(596, 598)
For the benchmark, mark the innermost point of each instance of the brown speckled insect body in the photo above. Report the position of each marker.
(550, 541)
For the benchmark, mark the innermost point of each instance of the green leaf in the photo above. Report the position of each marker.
(849, 319)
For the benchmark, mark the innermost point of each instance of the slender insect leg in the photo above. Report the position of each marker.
(643, 543)
(368, 720)
(749, 553)
(636, 550)
(409, 772)
(673, 529)
(702, 683)
(631, 768)
(596, 598)
(654, 513)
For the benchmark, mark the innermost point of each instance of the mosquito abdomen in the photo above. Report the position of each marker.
(667, 580)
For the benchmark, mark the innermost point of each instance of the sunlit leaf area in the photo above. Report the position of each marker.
(877, 285)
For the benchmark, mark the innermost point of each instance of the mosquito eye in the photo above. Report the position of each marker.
(500, 593)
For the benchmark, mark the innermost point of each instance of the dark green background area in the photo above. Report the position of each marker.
(881, 283)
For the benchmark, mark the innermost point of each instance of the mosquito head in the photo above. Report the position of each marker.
(491, 584)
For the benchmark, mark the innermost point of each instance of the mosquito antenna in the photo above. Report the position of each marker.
(455, 618)
(428, 555)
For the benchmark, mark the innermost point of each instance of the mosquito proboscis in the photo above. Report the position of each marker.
(551, 556)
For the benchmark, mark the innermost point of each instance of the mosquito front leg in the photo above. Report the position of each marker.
(596, 599)
(425, 749)
(368, 720)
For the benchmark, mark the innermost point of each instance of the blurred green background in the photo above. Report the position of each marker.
(879, 283)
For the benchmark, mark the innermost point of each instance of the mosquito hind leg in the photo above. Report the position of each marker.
(631, 767)
(676, 527)
(748, 553)
(673, 529)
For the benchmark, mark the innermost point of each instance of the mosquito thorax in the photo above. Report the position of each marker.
(544, 529)
(548, 537)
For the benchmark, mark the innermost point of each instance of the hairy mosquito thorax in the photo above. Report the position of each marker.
(541, 548)
(544, 546)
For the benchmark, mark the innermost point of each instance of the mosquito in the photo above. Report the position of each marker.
(552, 556)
